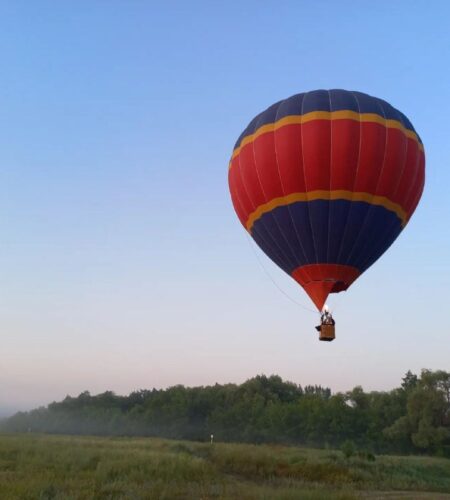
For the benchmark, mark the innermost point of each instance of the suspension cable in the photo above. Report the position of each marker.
(250, 242)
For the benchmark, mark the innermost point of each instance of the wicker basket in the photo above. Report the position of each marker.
(327, 333)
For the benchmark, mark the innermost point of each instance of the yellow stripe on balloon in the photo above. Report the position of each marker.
(327, 115)
(282, 201)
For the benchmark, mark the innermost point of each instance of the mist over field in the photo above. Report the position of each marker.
(413, 418)
(275, 424)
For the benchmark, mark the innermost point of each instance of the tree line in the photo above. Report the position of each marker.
(414, 417)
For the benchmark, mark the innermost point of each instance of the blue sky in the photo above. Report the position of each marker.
(122, 263)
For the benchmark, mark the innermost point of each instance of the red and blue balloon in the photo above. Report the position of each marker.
(324, 182)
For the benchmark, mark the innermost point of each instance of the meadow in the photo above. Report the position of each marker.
(34, 466)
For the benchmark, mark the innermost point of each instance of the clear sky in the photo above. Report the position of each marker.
(122, 263)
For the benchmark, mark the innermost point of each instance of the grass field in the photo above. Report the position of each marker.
(63, 467)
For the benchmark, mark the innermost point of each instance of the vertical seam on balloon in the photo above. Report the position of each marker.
(409, 190)
(272, 242)
(392, 225)
(367, 263)
(329, 184)
(235, 199)
(340, 236)
(349, 212)
(418, 196)
(283, 234)
(304, 179)
(287, 257)
(306, 187)
(421, 188)
(417, 172)
(380, 173)
(283, 191)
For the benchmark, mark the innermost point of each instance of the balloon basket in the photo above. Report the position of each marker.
(327, 333)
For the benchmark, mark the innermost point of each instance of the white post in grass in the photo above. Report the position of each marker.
(212, 438)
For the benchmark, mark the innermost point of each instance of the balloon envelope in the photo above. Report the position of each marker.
(324, 182)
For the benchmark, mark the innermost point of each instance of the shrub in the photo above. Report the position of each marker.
(348, 448)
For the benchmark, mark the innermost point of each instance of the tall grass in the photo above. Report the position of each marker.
(61, 467)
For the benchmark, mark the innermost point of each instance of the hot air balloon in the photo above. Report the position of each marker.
(324, 182)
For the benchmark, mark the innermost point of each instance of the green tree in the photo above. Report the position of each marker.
(409, 381)
(427, 421)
